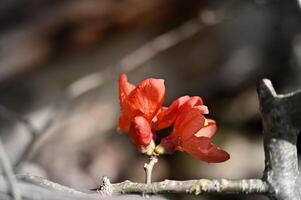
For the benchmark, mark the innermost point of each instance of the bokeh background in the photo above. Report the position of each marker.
(60, 61)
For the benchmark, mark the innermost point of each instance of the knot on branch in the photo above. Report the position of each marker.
(106, 187)
(201, 186)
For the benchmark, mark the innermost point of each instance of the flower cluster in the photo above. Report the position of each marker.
(143, 116)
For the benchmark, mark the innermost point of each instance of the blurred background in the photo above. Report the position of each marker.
(60, 61)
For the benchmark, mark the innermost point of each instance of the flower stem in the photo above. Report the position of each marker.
(148, 168)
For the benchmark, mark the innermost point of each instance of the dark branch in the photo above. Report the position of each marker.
(281, 116)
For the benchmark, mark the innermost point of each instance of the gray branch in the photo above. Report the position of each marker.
(37, 188)
(196, 187)
(281, 116)
(148, 168)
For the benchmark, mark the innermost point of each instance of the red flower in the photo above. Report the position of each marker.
(139, 106)
(167, 116)
(192, 134)
(142, 115)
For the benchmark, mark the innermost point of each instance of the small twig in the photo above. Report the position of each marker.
(7, 168)
(35, 189)
(148, 168)
(196, 187)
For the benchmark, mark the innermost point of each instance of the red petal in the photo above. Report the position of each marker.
(207, 131)
(202, 149)
(125, 88)
(216, 155)
(192, 102)
(140, 132)
(124, 123)
(147, 98)
(187, 124)
(167, 116)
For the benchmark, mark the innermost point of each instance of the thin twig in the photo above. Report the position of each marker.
(37, 188)
(148, 168)
(32, 189)
(196, 187)
(7, 169)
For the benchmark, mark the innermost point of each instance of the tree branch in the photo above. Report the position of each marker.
(196, 187)
(281, 116)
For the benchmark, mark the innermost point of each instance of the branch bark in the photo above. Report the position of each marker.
(196, 187)
(281, 117)
(148, 168)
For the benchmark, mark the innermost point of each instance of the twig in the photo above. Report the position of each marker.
(34, 188)
(148, 168)
(196, 187)
(7, 169)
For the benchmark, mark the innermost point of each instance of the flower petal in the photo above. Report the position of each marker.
(203, 149)
(208, 130)
(187, 124)
(125, 88)
(216, 155)
(124, 123)
(140, 132)
(192, 102)
(147, 98)
(167, 116)
(204, 109)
